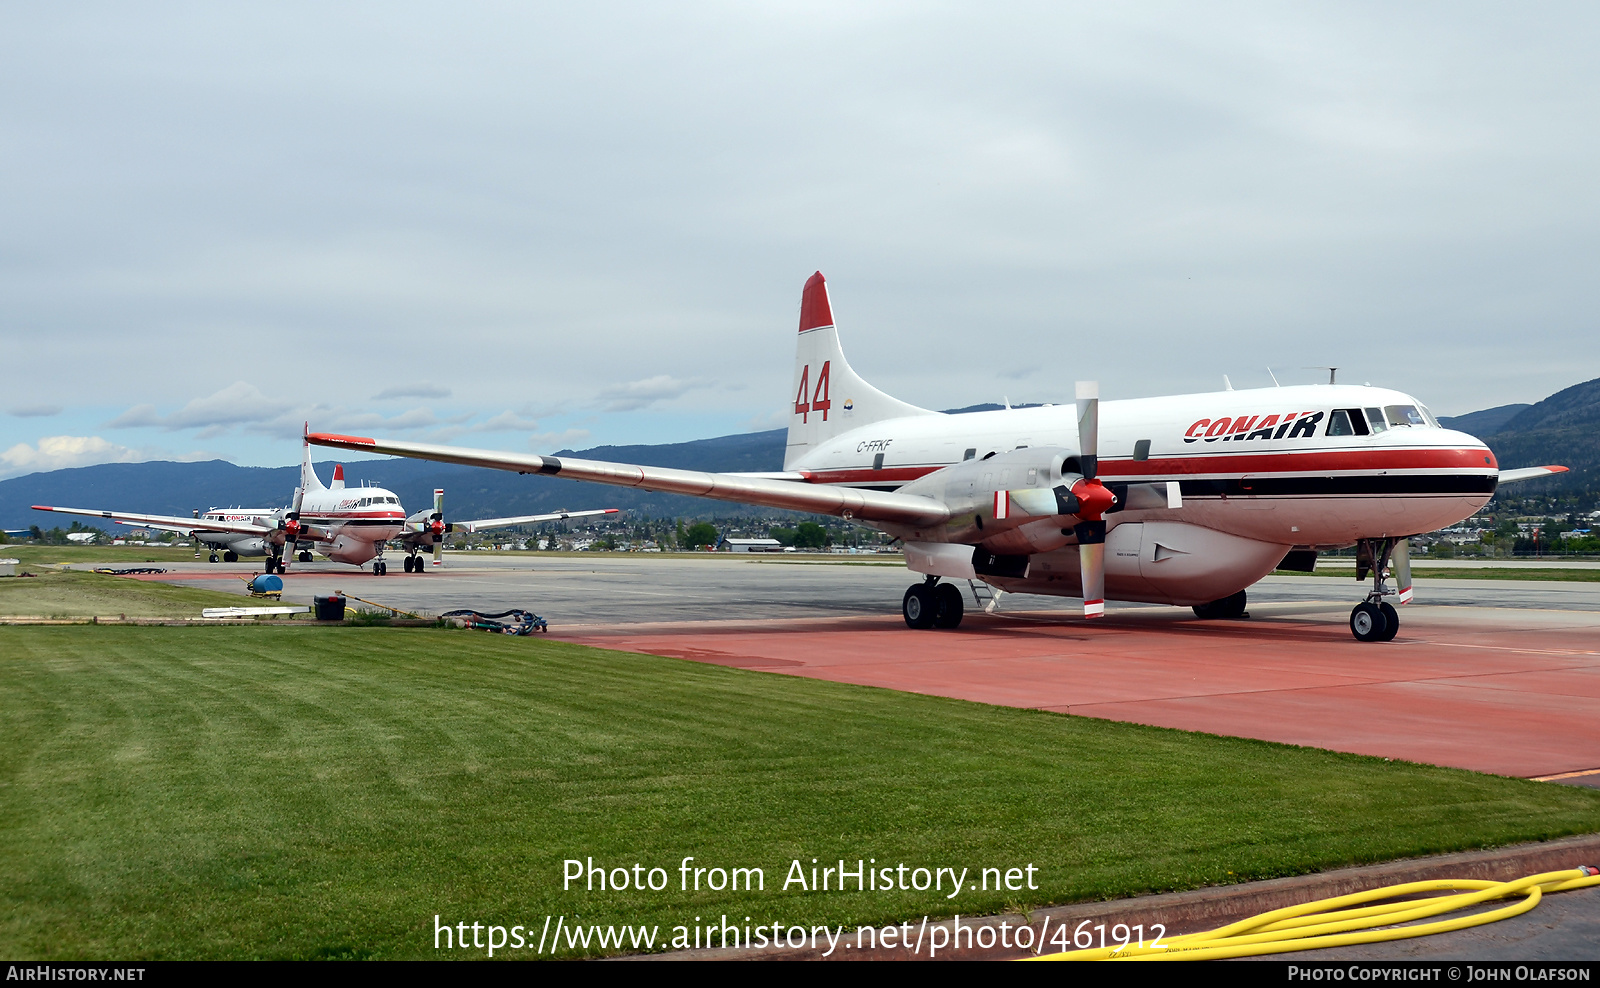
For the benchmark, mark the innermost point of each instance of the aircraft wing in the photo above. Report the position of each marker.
(1528, 473)
(169, 523)
(483, 523)
(846, 502)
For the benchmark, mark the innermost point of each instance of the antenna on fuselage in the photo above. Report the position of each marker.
(1227, 385)
(1274, 378)
(1333, 372)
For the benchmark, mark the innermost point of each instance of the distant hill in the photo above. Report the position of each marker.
(166, 488)
(1484, 423)
(1562, 429)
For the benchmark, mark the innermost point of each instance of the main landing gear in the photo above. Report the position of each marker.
(932, 604)
(1375, 619)
(415, 563)
(379, 567)
(1229, 608)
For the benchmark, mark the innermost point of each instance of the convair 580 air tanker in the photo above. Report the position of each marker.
(1183, 500)
(346, 524)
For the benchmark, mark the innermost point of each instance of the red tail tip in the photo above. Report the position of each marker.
(814, 308)
(338, 472)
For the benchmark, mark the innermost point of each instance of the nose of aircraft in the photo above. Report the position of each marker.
(1471, 445)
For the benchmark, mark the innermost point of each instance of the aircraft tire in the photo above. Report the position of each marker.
(305, 557)
(1368, 623)
(230, 556)
(213, 557)
(1230, 608)
(1391, 619)
(917, 606)
(408, 564)
(947, 606)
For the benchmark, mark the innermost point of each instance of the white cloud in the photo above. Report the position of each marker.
(641, 394)
(776, 419)
(35, 411)
(544, 441)
(240, 403)
(412, 391)
(61, 452)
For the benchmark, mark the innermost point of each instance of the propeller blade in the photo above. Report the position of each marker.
(1400, 568)
(1092, 566)
(1088, 393)
(292, 526)
(1092, 563)
(438, 526)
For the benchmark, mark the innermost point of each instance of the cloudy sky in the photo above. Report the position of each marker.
(530, 226)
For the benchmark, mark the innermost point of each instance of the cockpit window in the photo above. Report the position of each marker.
(1346, 422)
(1404, 415)
(1429, 416)
(1375, 419)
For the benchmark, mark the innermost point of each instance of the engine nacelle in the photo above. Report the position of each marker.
(1154, 561)
(1012, 503)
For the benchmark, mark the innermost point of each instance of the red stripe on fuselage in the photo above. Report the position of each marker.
(1224, 465)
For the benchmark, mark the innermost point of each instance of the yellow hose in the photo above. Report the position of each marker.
(1347, 919)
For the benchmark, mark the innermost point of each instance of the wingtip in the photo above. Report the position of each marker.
(1557, 469)
(335, 439)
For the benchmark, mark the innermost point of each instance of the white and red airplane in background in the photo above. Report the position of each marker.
(348, 525)
(1183, 500)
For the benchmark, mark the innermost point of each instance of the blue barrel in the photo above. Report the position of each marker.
(266, 583)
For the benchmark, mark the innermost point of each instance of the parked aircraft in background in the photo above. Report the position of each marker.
(347, 525)
(1183, 500)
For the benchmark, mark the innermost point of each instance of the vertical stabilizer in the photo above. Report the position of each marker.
(308, 473)
(828, 397)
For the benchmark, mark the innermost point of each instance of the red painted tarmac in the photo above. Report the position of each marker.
(1513, 692)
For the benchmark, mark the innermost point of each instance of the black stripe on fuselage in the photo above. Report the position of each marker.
(1446, 483)
(368, 522)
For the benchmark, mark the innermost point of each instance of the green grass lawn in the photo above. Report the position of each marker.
(40, 554)
(75, 593)
(325, 792)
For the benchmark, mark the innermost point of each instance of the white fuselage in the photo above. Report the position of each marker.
(237, 542)
(361, 518)
(1261, 472)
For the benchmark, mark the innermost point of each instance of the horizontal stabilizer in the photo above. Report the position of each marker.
(1528, 473)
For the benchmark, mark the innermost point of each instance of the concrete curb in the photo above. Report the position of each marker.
(1194, 911)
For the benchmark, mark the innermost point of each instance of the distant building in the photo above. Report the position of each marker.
(751, 545)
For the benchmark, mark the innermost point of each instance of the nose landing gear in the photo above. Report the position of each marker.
(1375, 619)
